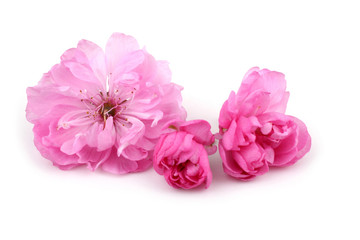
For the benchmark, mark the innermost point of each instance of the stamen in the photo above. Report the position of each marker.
(122, 101)
(102, 105)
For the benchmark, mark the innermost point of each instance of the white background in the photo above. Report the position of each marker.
(210, 45)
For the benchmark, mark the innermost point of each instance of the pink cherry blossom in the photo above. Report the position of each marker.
(103, 109)
(254, 131)
(181, 154)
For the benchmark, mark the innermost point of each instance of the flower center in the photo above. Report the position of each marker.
(102, 105)
(107, 110)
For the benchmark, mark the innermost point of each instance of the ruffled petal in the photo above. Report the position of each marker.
(73, 145)
(96, 58)
(134, 153)
(107, 137)
(118, 164)
(128, 135)
(117, 47)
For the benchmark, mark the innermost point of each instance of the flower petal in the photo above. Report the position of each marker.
(96, 57)
(118, 164)
(73, 145)
(117, 47)
(128, 135)
(107, 137)
(134, 153)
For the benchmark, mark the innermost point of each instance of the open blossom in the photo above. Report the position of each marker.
(181, 154)
(255, 132)
(103, 109)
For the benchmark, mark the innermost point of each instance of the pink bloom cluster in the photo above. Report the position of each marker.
(117, 109)
(181, 154)
(255, 132)
(103, 108)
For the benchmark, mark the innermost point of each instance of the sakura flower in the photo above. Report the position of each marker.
(254, 131)
(181, 154)
(103, 109)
